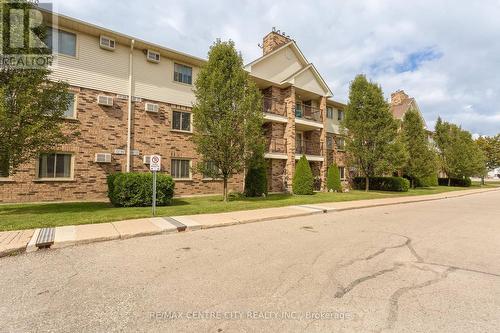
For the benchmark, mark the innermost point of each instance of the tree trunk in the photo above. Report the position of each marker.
(413, 183)
(482, 181)
(367, 184)
(225, 189)
(449, 181)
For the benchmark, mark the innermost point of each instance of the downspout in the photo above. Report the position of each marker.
(129, 119)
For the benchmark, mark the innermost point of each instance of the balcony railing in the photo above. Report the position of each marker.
(308, 112)
(308, 147)
(273, 106)
(277, 146)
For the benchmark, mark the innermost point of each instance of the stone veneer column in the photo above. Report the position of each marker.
(289, 99)
(324, 150)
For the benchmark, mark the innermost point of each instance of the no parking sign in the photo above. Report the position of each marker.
(155, 164)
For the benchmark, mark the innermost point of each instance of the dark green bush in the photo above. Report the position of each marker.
(256, 182)
(303, 180)
(333, 182)
(395, 184)
(136, 189)
(456, 182)
(424, 181)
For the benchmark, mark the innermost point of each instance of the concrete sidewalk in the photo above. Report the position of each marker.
(18, 241)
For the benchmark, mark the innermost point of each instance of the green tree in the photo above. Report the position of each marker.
(256, 177)
(303, 179)
(373, 145)
(459, 155)
(31, 105)
(333, 182)
(490, 146)
(421, 162)
(227, 115)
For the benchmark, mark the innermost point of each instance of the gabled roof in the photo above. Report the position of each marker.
(399, 110)
(312, 68)
(306, 66)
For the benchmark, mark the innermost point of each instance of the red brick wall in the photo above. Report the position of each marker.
(104, 129)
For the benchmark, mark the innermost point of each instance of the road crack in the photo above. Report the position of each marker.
(394, 299)
(355, 283)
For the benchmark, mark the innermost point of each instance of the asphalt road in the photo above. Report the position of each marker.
(424, 267)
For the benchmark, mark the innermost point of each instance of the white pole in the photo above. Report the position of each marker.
(154, 193)
(129, 120)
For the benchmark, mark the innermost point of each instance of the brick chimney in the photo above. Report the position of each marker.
(274, 40)
(398, 97)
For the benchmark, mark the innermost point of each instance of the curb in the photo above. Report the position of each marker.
(66, 236)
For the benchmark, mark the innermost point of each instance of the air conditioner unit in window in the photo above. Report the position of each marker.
(150, 107)
(153, 56)
(107, 43)
(103, 158)
(147, 159)
(105, 100)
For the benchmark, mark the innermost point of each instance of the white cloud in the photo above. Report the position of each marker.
(342, 38)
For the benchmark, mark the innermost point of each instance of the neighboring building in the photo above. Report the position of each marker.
(300, 117)
(401, 103)
(114, 76)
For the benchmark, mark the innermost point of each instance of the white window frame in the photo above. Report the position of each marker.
(211, 179)
(77, 42)
(180, 82)
(190, 121)
(337, 139)
(330, 112)
(340, 115)
(342, 177)
(181, 159)
(56, 179)
(75, 106)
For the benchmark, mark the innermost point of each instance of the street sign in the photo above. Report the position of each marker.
(154, 166)
(155, 163)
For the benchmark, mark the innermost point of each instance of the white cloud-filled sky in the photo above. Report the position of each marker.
(444, 53)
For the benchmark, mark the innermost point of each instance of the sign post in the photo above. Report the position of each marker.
(155, 166)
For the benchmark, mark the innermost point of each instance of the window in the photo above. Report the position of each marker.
(329, 112)
(340, 143)
(71, 110)
(53, 166)
(342, 172)
(211, 170)
(180, 169)
(183, 74)
(341, 115)
(329, 142)
(65, 42)
(298, 110)
(4, 168)
(181, 121)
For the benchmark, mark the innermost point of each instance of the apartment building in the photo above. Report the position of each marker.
(133, 99)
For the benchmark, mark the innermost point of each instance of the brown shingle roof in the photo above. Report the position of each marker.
(398, 111)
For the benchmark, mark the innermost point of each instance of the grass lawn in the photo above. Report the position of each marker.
(27, 216)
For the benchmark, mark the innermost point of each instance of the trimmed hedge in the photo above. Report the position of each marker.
(333, 182)
(394, 184)
(256, 182)
(303, 180)
(428, 181)
(136, 189)
(456, 182)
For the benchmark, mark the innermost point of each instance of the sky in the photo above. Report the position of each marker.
(445, 54)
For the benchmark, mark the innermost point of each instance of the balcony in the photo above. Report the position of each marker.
(307, 112)
(308, 147)
(274, 110)
(307, 117)
(276, 149)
